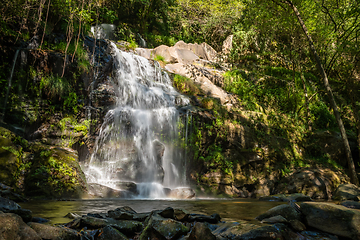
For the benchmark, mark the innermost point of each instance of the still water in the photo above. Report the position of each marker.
(229, 210)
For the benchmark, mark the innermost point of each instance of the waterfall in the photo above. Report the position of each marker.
(137, 140)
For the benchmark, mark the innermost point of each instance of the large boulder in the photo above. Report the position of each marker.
(53, 233)
(54, 173)
(315, 183)
(201, 232)
(13, 227)
(110, 233)
(182, 193)
(331, 218)
(284, 210)
(347, 192)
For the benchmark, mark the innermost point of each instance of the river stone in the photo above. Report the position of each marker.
(247, 231)
(127, 227)
(275, 219)
(53, 233)
(311, 235)
(351, 204)
(160, 228)
(331, 218)
(284, 210)
(214, 218)
(297, 225)
(201, 232)
(182, 193)
(347, 192)
(99, 190)
(181, 214)
(122, 213)
(25, 214)
(13, 227)
(7, 205)
(167, 213)
(110, 233)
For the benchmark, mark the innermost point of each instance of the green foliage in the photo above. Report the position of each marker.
(322, 117)
(185, 85)
(54, 86)
(159, 58)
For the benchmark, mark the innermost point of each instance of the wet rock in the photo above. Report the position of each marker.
(347, 192)
(284, 210)
(128, 186)
(214, 218)
(110, 233)
(39, 220)
(351, 204)
(333, 219)
(201, 232)
(297, 225)
(160, 228)
(13, 227)
(181, 214)
(140, 216)
(275, 219)
(311, 235)
(53, 233)
(182, 193)
(25, 214)
(7, 205)
(167, 213)
(247, 231)
(99, 190)
(122, 213)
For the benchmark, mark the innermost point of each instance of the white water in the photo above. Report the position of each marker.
(133, 136)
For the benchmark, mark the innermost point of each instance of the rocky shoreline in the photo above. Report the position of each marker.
(299, 218)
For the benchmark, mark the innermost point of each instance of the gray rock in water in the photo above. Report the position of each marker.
(347, 192)
(275, 219)
(122, 213)
(284, 210)
(333, 219)
(311, 235)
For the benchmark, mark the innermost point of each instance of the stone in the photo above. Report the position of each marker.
(351, 204)
(227, 44)
(214, 218)
(182, 193)
(166, 52)
(53, 233)
(110, 233)
(7, 205)
(284, 210)
(160, 228)
(317, 183)
(333, 219)
(123, 213)
(247, 231)
(25, 214)
(99, 190)
(297, 197)
(13, 227)
(201, 232)
(167, 213)
(275, 219)
(181, 214)
(347, 192)
(312, 235)
(297, 225)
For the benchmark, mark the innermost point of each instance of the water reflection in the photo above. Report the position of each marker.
(229, 210)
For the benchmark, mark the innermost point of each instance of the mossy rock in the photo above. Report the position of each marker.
(54, 173)
(11, 147)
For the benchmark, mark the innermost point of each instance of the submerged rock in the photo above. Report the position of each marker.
(102, 191)
(285, 210)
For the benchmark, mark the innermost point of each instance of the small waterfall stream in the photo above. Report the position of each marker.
(138, 139)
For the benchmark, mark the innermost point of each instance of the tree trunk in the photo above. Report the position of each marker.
(350, 161)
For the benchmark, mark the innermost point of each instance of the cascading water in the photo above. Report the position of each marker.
(137, 140)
